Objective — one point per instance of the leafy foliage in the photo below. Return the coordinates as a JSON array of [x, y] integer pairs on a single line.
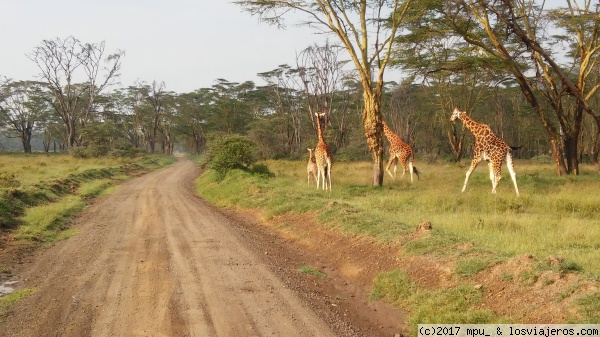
[[230, 152]]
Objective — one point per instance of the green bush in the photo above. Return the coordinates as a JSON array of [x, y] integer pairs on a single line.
[[90, 151], [230, 152], [127, 150]]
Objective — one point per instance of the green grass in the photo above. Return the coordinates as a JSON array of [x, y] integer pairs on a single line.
[[312, 271], [8, 300], [590, 308], [95, 188], [458, 305], [470, 267], [39, 193], [44, 223], [34, 168]]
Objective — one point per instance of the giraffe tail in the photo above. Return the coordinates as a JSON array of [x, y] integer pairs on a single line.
[[416, 172], [516, 147]]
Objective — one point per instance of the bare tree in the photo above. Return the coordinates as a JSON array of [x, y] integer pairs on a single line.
[[76, 73], [321, 74], [366, 29]]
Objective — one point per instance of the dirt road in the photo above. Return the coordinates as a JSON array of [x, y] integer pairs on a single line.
[[153, 259]]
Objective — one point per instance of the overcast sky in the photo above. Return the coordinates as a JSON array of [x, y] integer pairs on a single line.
[[188, 44]]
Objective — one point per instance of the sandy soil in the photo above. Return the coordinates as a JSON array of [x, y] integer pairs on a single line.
[[153, 259]]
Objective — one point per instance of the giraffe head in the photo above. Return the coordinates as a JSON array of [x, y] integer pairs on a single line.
[[455, 114]]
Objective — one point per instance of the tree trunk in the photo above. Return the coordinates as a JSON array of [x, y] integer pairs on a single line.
[[26, 138], [595, 150], [557, 154], [373, 132], [570, 145]]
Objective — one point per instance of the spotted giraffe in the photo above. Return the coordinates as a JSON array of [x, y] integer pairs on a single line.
[[322, 157], [487, 147], [399, 152], [311, 167]]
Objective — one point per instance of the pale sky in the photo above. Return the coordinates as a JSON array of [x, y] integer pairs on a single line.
[[188, 44]]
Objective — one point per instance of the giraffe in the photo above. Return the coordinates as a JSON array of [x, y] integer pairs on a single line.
[[487, 147], [322, 157], [399, 151], [311, 167]]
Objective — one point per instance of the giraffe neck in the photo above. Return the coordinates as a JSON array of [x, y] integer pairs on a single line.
[[387, 131], [319, 132], [469, 123]]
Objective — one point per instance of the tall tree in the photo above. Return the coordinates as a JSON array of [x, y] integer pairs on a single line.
[[22, 105], [286, 101], [366, 30], [64, 62], [514, 37]]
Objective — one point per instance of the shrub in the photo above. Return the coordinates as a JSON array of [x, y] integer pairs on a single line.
[[126, 150], [90, 151], [230, 152]]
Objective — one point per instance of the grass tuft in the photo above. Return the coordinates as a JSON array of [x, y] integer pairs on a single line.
[[8, 300], [312, 271]]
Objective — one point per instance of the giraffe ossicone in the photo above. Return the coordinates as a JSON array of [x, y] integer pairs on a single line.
[[487, 147]]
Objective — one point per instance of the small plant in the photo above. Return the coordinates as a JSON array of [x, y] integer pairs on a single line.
[[566, 267], [394, 285], [507, 277], [589, 308], [312, 271], [5, 269], [470, 267]]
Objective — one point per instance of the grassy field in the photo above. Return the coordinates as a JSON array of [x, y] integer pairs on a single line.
[[40, 192], [553, 217]]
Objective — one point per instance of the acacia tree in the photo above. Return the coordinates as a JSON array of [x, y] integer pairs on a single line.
[[22, 105], [62, 64], [287, 103], [513, 37], [365, 29]]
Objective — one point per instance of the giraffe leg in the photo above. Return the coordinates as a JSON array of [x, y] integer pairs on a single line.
[[387, 168], [474, 164], [404, 168], [411, 169], [511, 170], [497, 175], [329, 173], [492, 176], [318, 177]]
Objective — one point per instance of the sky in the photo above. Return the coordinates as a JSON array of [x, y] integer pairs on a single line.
[[187, 44]]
